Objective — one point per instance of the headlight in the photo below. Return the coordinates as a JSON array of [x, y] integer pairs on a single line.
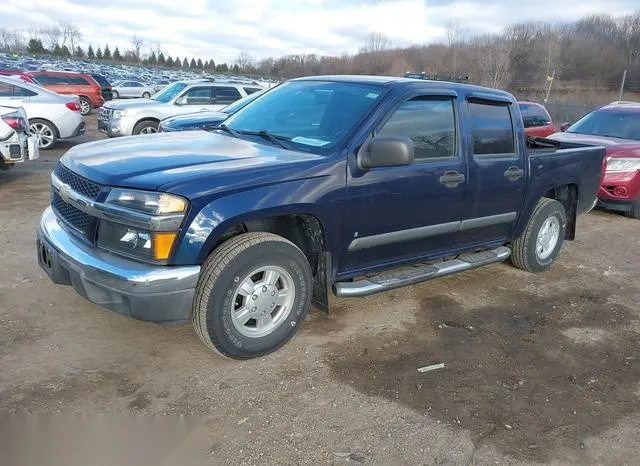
[[147, 202], [119, 113], [134, 242], [622, 164]]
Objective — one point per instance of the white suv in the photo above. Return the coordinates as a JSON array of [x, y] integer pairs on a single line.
[[142, 116]]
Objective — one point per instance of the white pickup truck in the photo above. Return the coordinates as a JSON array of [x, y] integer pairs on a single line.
[[142, 116]]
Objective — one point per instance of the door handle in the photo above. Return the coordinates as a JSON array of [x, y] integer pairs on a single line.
[[451, 179], [514, 173]]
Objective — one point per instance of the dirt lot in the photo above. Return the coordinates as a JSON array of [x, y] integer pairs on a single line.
[[539, 368]]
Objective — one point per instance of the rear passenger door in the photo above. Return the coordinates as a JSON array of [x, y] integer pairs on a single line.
[[497, 170]]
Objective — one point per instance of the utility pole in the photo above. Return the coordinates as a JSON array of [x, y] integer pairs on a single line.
[[550, 79], [624, 78]]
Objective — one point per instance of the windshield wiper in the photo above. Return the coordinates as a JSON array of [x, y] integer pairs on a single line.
[[274, 138], [225, 128]]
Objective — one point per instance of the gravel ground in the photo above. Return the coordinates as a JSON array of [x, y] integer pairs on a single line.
[[538, 368]]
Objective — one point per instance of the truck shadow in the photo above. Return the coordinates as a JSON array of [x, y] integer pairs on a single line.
[[527, 380]]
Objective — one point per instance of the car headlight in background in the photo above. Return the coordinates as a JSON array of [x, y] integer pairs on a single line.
[[623, 164], [147, 202], [153, 243], [117, 114]]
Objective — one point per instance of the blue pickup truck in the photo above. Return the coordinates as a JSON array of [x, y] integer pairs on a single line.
[[345, 185]]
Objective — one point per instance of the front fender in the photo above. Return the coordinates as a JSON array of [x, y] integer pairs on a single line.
[[313, 196]]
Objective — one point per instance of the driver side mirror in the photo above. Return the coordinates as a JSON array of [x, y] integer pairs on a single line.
[[387, 151], [565, 126]]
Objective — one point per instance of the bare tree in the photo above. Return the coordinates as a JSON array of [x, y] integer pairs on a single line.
[[244, 60], [51, 37], [137, 43], [495, 64], [71, 35], [375, 42]]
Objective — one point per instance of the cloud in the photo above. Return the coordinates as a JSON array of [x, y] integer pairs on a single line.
[[222, 29]]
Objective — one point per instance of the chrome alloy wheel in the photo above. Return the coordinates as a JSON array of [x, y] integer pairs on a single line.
[[262, 301], [548, 237]]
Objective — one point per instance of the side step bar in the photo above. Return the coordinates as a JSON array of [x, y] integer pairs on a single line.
[[415, 274]]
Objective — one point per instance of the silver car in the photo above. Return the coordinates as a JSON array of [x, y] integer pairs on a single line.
[[131, 89], [142, 116]]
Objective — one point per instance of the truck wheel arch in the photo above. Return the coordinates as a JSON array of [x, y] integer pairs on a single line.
[[567, 195]]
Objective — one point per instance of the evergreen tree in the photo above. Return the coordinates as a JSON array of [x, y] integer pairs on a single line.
[[90, 52], [212, 65], [79, 52], [57, 51], [161, 59], [99, 54], [35, 46], [193, 64], [177, 63], [185, 63], [116, 54], [169, 62], [236, 69], [200, 65], [152, 60], [64, 51], [107, 53]]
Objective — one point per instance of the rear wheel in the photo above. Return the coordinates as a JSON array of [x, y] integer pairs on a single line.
[[115, 95], [542, 239], [85, 106], [45, 133], [146, 127], [146, 95], [253, 294]]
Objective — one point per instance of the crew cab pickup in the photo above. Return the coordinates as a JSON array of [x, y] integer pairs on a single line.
[[324, 185]]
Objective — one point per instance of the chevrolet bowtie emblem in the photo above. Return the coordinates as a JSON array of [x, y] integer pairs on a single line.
[[65, 192]]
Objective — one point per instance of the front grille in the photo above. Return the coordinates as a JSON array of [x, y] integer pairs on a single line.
[[77, 183], [73, 216], [106, 114]]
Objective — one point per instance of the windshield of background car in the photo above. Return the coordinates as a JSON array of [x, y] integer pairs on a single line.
[[169, 92], [615, 124], [315, 115], [242, 103]]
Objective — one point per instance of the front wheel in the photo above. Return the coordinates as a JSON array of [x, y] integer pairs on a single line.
[[146, 127], [146, 95], [115, 95], [253, 293], [635, 210], [539, 245]]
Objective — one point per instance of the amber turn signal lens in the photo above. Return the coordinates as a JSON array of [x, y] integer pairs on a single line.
[[162, 245]]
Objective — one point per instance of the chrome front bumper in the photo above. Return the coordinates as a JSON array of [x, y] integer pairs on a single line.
[[143, 291]]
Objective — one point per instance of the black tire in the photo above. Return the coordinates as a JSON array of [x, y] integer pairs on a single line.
[[146, 95], [146, 127], [524, 253], [85, 106], [115, 95], [635, 210], [220, 279]]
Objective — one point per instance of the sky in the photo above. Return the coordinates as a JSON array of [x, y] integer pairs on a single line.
[[221, 29]]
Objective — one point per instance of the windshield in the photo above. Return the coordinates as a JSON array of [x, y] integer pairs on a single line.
[[242, 103], [621, 124], [316, 115], [169, 92]]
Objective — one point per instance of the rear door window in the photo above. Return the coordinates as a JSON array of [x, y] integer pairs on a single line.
[[534, 115], [226, 95], [10, 90], [198, 96], [51, 80], [491, 128]]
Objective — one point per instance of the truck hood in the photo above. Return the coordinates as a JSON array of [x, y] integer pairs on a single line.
[[122, 104], [616, 147], [152, 160]]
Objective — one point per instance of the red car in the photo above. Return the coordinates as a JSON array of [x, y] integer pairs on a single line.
[[64, 82], [616, 127], [537, 121]]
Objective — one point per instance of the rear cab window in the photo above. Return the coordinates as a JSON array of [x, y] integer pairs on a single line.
[[492, 128]]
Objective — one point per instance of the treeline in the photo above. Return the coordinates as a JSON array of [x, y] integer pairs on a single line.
[[592, 52]]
